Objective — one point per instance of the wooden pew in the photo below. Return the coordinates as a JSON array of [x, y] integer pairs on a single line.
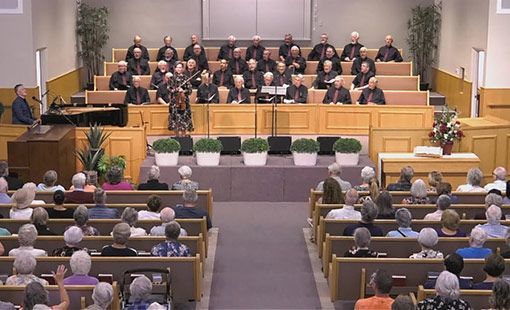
[[186, 272], [111, 96], [80, 296], [478, 299], [393, 97], [103, 82]]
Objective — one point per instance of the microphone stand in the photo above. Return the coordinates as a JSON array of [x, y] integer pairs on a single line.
[[208, 122], [256, 117]]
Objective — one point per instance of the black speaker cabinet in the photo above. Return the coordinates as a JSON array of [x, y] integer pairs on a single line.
[[279, 145], [186, 145], [231, 145], [326, 145]]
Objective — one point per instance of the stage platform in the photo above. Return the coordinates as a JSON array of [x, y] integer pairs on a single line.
[[279, 180]]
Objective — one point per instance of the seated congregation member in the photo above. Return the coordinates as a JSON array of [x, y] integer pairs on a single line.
[[171, 247], [114, 180], [49, 183], [384, 203], [333, 58], [363, 58], [102, 295], [72, 238], [319, 51], [238, 93], [337, 93], [80, 266], [373, 191], [447, 294], [100, 210], [404, 181], [81, 217], [40, 220], [493, 227], [154, 203], [295, 63], [418, 194], [140, 291], [4, 198], [500, 298], [256, 50], [21, 111], [227, 50], [137, 44], [297, 92], [138, 65], [137, 94], [334, 171], [122, 78], [347, 212], [445, 188], [159, 74], [78, 193], [367, 174], [237, 65], [361, 79], [351, 50], [207, 92], [403, 302], [121, 233], [266, 64], [32, 188], [223, 77], [434, 178], [443, 202], [130, 217], [332, 193], [490, 199], [427, 238], [252, 77], [388, 53], [188, 51], [266, 97], [477, 239], [191, 72], [27, 234], [450, 221], [494, 268], [37, 297], [185, 181], [167, 40], [190, 209], [90, 182], [453, 263], [166, 215], [403, 217], [361, 244], [285, 49], [282, 76], [499, 175], [200, 59], [372, 94], [153, 180], [474, 180], [13, 183], [381, 283], [25, 266], [22, 198], [324, 77], [368, 215]]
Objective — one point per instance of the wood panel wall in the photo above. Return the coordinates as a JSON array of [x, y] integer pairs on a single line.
[[456, 90], [495, 102], [65, 85], [7, 96]]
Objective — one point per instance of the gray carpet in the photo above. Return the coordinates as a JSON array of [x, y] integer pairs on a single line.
[[261, 258]]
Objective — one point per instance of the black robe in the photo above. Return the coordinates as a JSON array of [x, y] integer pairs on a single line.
[[205, 92], [362, 79], [376, 93], [301, 62], [161, 53], [131, 95], [228, 80], [234, 92], [266, 66], [258, 50], [347, 52], [316, 53], [117, 80], [392, 54], [335, 66], [130, 52], [237, 66], [344, 96], [302, 93], [144, 66], [248, 81], [356, 65], [322, 78]]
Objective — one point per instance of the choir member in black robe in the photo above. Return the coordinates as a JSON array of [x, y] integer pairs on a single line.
[[337, 94], [169, 59], [200, 59], [266, 64], [237, 65], [168, 44], [388, 53], [295, 63], [191, 71], [137, 94], [322, 81], [227, 50], [297, 92], [284, 50], [372, 94], [159, 73], [223, 76], [255, 50], [137, 44], [121, 79], [265, 97], [362, 78], [319, 50], [188, 51], [282, 75], [335, 61], [163, 93], [356, 64], [207, 91], [138, 65], [252, 77], [238, 94], [351, 50]]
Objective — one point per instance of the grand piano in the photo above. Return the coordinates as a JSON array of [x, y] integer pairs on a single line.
[[84, 116]]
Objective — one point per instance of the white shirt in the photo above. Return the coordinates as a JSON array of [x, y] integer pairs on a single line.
[[434, 216], [469, 188], [27, 249], [20, 214], [148, 215], [498, 184], [345, 213]]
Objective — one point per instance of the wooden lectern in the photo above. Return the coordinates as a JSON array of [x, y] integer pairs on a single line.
[[41, 149]]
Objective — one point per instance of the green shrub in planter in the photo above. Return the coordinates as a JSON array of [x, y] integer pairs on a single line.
[[167, 145], [308, 146], [208, 145], [347, 145], [254, 145]]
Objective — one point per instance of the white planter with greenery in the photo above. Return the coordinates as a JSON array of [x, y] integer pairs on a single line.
[[208, 152], [254, 151], [347, 151], [166, 152], [304, 152]]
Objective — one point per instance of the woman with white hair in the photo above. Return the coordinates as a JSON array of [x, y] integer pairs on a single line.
[[361, 244], [418, 194], [72, 238], [49, 182], [140, 290], [25, 266], [40, 220], [153, 183], [27, 234], [476, 242], [130, 217], [102, 295], [427, 240], [185, 181], [80, 266], [474, 181], [22, 199], [121, 233], [447, 294], [367, 173]]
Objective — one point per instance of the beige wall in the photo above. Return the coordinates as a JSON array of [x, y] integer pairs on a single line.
[[498, 50]]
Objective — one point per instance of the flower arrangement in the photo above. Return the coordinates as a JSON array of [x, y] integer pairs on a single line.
[[446, 128]]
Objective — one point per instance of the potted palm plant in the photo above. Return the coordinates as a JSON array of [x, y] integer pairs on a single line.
[[208, 151], [93, 151], [254, 151], [304, 152], [166, 151], [347, 151]]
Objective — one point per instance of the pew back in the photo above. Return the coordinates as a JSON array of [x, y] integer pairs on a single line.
[[477, 299]]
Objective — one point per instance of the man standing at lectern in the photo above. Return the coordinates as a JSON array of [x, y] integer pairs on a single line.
[[21, 113]]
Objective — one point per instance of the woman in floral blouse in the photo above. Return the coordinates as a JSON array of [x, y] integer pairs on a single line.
[[447, 295]]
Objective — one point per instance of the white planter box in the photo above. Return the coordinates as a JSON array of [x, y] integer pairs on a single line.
[[304, 159], [208, 159], [347, 159], [166, 159], [255, 159]]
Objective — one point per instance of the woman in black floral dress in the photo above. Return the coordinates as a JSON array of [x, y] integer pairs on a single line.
[[447, 295], [179, 119]]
